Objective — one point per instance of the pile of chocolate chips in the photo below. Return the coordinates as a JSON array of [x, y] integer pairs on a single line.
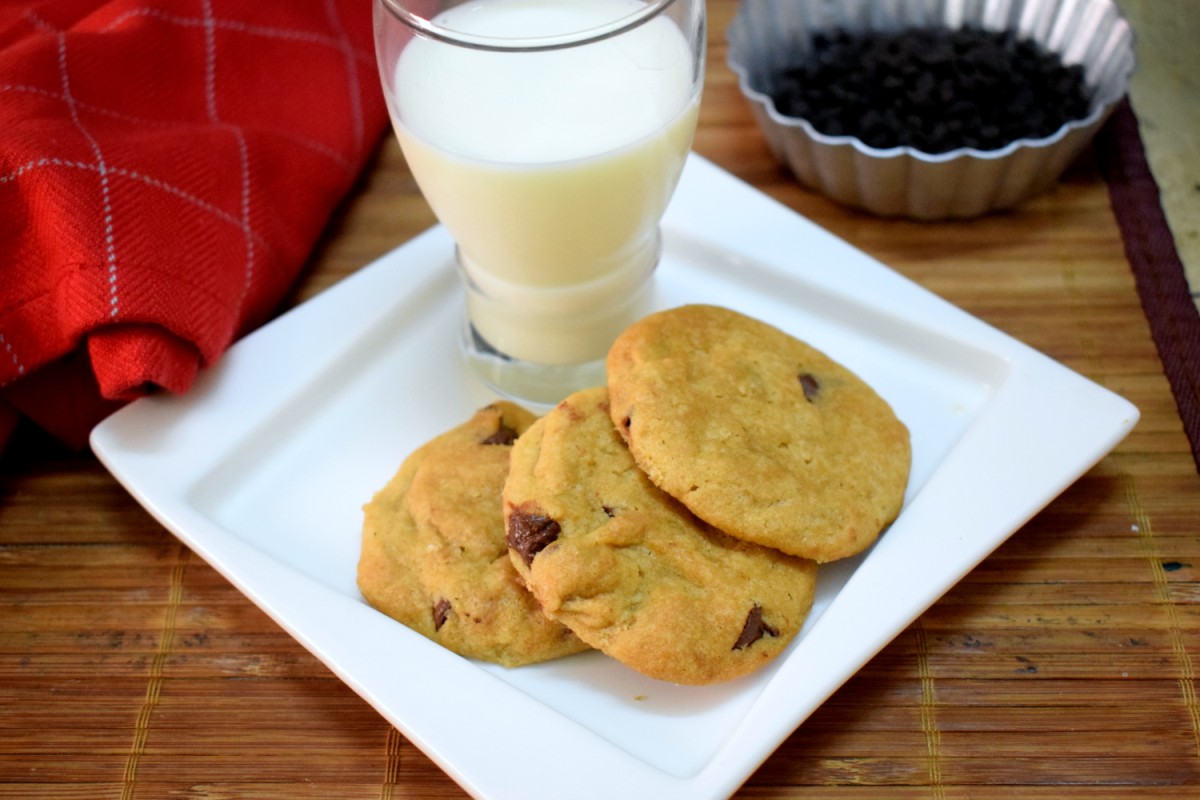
[[932, 89]]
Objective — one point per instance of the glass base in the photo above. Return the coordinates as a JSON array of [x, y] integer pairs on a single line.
[[525, 382]]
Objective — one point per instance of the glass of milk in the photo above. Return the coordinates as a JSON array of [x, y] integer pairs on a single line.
[[548, 137]]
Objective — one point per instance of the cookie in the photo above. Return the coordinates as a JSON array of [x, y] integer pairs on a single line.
[[434, 555], [757, 433], [631, 570]]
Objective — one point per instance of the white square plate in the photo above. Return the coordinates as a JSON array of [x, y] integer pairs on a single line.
[[262, 469]]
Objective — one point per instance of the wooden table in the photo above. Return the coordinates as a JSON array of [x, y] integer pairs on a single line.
[[1063, 667]]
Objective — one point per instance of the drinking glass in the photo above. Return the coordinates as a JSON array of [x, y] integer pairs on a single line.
[[547, 137]]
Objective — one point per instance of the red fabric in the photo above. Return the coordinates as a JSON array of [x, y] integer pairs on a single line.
[[165, 169]]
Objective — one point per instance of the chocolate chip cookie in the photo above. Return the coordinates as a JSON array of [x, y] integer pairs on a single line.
[[633, 572], [757, 433], [434, 554]]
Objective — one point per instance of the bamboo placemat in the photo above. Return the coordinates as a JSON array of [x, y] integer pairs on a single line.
[[1063, 667]]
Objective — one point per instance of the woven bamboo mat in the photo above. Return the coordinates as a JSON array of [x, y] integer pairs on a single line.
[[1063, 667]]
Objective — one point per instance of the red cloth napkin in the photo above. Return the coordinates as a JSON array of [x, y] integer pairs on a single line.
[[165, 169]]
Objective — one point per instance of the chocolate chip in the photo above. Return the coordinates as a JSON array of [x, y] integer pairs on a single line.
[[810, 385], [609, 510], [503, 435], [529, 534], [754, 629], [441, 611]]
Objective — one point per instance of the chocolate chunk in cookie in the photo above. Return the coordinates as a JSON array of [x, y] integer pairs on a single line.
[[754, 629], [529, 533]]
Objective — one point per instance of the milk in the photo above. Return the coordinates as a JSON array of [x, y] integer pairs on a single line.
[[550, 169]]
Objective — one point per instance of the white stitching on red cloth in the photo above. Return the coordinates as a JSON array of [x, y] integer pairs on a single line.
[[347, 49], [242, 27], [92, 108], [199, 202], [110, 247], [341, 42], [8, 348], [214, 116]]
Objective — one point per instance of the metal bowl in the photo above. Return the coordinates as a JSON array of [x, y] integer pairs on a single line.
[[768, 36]]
